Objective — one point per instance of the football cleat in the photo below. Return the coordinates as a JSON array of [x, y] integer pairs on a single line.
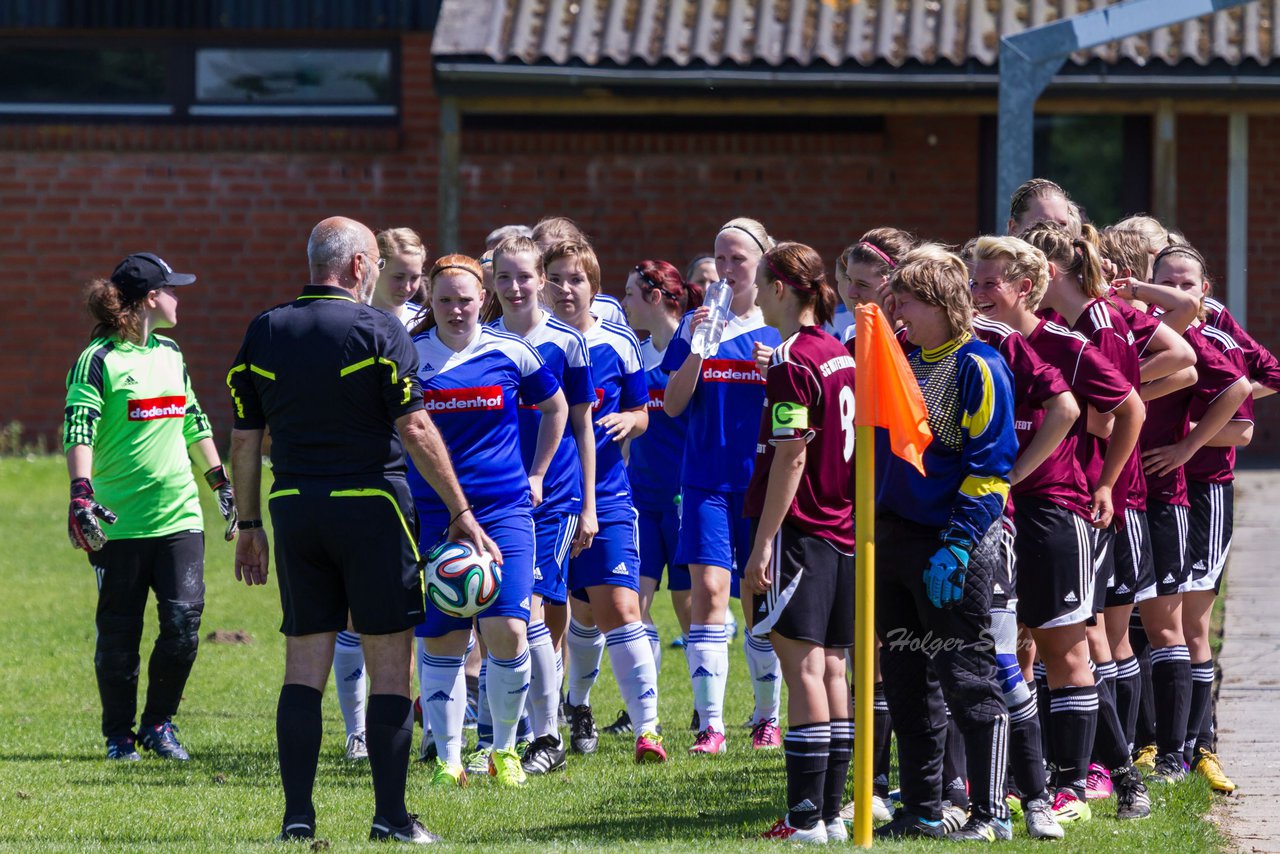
[[413, 832], [122, 748], [583, 737], [545, 755], [504, 766], [1068, 808], [297, 828], [1145, 760], [905, 824], [162, 740], [837, 830], [1132, 799], [709, 742], [1098, 785], [782, 831], [477, 762], [356, 748], [649, 748], [1038, 814], [953, 817], [622, 726], [980, 829], [448, 776], [880, 811], [1169, 769], [1207, 765], [765, 735]]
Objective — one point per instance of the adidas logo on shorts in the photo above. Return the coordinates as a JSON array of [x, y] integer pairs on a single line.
[[524, 603], [1168, 579], [1071, 598], [620, 569], [1198, 566], [537, 574], [1122, 589]]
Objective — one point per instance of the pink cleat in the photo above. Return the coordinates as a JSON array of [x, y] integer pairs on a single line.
[[765, 735], [709, 742], [649, 748], [1098, 785]]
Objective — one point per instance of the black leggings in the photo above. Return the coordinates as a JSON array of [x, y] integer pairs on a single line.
[[172, 566]]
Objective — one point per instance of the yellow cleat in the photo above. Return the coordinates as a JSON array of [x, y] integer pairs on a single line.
[[505, 768], [1146, 759], [1208, 765], [454, 776]]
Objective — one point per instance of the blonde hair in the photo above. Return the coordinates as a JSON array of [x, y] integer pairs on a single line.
[[552, 230], [938, 278], [1126, 248], [400, 241], [1154, 235], [759, 236], [1074, 256], [1021, 261]]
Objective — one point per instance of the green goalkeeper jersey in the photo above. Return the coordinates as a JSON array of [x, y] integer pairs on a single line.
[[133, 405]]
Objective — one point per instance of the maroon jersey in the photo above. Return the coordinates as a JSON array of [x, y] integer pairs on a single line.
[[1107, 329], [1217, 465], [809, 397], [1263, 367], [1096, 382], [1142, 326]]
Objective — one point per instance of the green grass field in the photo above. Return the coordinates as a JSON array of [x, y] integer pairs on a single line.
[[57, 792]]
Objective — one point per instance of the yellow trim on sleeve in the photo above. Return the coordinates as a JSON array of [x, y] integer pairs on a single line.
[[262, 372], [231, 373], [374, 360], [364, 493], [977, 422], [980, 487]]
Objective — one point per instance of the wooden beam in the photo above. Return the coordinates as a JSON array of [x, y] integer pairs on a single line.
[[1238, 216], [1165, 163], [448, 191]]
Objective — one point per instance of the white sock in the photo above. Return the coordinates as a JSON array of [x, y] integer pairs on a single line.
[[508, 686], [586, 646], [655, 645], [766, 678], [707, 650], [443, 683], [544, 682], [349, 680], [632, 661]]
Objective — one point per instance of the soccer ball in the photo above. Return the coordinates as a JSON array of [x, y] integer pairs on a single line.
[[461, 580]]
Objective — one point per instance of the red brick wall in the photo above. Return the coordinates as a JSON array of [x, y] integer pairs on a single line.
[[233, 205]]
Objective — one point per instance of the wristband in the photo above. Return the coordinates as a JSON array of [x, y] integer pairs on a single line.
[[81, 488], [461, 513], [248, 524], [216, 477]]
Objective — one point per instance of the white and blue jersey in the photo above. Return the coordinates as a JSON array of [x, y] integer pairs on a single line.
[[724, 412], [655, 479], [472, 395], [564, 352], [608, 309], [840, 324]]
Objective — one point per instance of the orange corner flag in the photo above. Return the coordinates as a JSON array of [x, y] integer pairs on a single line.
[[888, 395]]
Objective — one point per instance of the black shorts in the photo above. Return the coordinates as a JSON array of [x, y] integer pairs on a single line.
[[1209, 533], [341, 549], [1171, 569], [1134, 569], [812, 598], [1104, 566], [1004, 584], [1055, 552]]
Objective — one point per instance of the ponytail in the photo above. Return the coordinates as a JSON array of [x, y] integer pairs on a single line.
[[112, 314], [800, 268]]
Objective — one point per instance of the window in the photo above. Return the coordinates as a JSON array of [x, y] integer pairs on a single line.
[[1102, 161], [142, 80]]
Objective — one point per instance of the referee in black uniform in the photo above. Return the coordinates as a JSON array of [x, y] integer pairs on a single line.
[[336, 382]]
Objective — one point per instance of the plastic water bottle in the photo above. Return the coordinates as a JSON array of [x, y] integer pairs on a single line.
[[706, 338]]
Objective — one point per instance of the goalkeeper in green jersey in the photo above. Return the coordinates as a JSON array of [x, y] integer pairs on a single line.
[[131, 421]]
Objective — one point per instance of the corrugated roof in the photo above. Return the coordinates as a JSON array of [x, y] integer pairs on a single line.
[[816, 33], [220, 14]]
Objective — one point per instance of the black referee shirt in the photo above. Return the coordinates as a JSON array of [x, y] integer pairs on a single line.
[[329, 376]]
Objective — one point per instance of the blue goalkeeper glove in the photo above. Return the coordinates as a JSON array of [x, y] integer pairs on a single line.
[[944, 579]]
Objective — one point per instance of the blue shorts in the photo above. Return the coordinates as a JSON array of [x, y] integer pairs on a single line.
[[659, 531], [553, 535], [713, 531], [511, 527], [614, 557]]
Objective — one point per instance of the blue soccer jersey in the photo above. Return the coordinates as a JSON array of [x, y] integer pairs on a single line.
[[724, 413], [472, 396], [655, 478], [564, 352], [618, 373]]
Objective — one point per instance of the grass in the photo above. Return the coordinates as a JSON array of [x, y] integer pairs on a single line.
[[57, 793]]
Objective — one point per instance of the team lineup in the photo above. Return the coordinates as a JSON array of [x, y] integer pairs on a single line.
[[482, 468]]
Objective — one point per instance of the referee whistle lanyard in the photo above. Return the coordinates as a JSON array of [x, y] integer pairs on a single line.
[[887, 396]]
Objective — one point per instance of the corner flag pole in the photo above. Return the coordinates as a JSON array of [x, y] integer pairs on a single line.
[[864, 635]]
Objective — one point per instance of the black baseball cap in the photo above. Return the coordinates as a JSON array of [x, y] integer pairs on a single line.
[[143, 272]]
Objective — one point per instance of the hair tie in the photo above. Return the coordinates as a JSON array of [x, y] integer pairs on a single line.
[[754, 239], [784, 279], [440, 270], [644, 277], [883, 255]]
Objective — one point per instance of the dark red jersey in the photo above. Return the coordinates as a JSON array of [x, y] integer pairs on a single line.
[[809, 397], [1263, 366], [1096, 382], [1217, 465]]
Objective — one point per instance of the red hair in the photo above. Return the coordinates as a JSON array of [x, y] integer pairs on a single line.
[[663, 277]]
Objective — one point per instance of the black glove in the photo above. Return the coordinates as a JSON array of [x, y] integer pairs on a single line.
[[218, 481], [82, 517]]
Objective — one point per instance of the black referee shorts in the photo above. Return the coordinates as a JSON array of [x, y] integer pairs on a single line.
[[345, 548]]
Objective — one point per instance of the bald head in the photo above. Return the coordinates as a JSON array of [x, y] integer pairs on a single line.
[[334, 242]]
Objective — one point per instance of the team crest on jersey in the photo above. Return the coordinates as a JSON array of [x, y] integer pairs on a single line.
[[151, 408], [731, 371], [462, 399]]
